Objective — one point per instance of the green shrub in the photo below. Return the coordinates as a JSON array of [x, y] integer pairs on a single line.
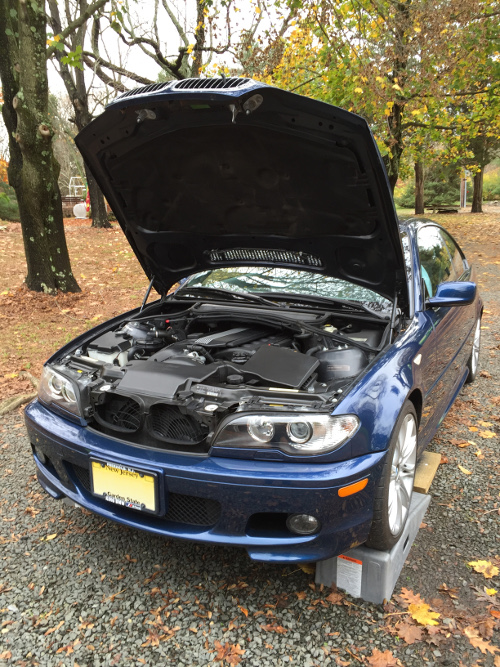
[[441, 186], [9, 209], [491, 185]]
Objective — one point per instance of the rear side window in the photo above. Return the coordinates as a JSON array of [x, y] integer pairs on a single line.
[[435, 260]]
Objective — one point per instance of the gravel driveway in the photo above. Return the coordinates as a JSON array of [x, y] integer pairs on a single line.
[[79, 590]]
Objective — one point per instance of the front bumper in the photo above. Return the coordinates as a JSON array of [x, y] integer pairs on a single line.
[[211, 499]]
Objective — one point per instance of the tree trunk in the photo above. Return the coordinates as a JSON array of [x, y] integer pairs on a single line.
[[35, 170], [97, 203], [477, 194], [419, 188], [394, 144]]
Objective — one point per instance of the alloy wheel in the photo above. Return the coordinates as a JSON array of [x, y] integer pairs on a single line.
[[402, 474]]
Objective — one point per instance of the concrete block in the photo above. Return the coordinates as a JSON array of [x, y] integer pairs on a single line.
[[370, 574]]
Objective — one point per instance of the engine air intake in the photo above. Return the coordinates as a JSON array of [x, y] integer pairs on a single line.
[[120, 413], [167, 423]]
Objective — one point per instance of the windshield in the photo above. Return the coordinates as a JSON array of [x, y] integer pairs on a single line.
[[263, 280]]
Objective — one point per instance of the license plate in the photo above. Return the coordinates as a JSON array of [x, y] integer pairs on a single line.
[[124, 486]]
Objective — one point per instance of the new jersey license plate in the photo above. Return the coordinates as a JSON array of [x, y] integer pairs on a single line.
[[124, 486]]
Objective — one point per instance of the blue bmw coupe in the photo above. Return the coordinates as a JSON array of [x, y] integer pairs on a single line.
[[279, 398]]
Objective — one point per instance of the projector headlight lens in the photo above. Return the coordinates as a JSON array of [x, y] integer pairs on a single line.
[[291, 433], [54, 389]]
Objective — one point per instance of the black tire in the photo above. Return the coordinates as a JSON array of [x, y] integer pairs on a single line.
[[385, 531], [473, 361]]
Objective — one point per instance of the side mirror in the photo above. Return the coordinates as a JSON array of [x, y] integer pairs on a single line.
[[453, 294]]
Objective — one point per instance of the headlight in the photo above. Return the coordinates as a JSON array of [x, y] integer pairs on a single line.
[[293, 434], [54, 388]]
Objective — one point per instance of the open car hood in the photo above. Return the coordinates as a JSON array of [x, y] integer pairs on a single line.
[[206, 173]]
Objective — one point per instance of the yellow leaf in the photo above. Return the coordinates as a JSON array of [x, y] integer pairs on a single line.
[[491, 591], [257, 10], [487, 434], [308, 568], [423, 614], [473, 428], [48, 537], [484, 567], [358, 90], [12, 375], [464, 470]]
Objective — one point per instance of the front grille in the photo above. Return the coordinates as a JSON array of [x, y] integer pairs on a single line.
[[120, 413], [167, 423], [82, 475], [264, 255], [214, 83], [192, 510]]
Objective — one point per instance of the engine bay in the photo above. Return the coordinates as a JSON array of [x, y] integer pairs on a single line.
[[166, 380]]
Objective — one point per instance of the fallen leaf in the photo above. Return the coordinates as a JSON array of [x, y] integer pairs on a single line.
[[484, 567], [409, 633], [444, 459], [301, 595], [495, 613], [473, 429], [464, 470], [335, 597], [54, 629], [485, 424], [478, 642], [5, 655], [243, 610], [485, 374], [490, 591], [230, 653], [308, 568], [423, 614], [379, 659], [485, 628], [409, 597], [270, 627], [452, 592], [487, 434], [47, 538]]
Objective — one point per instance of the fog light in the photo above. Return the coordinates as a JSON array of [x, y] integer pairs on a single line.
[[303, 524]]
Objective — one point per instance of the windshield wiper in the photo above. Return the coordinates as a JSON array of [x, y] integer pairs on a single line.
[[226, 294], [345, 304]]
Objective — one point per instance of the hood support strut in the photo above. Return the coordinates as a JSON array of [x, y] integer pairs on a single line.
[[148, 292]]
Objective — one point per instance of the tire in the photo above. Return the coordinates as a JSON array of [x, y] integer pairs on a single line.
[[394, 491], [473, 361]]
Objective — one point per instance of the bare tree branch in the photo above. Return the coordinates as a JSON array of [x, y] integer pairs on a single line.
[[74, 25]]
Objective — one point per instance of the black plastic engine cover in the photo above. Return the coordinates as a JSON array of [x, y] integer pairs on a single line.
[[280, 366]]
